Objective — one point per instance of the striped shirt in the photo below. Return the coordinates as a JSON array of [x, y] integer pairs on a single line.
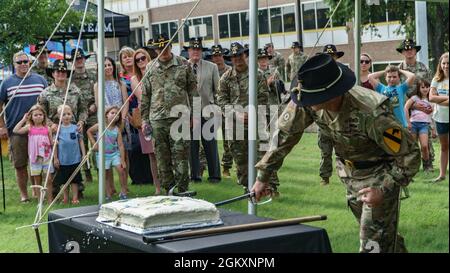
[[24, 97]]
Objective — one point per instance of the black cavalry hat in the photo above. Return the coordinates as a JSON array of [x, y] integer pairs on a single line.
[[262, 53], [161, 41], [195, 42], [59, 65], [332, 50], [80, 54], [38, 47], [407, 45], [236, 49], [296, 44], [219, 50], [322, 79]]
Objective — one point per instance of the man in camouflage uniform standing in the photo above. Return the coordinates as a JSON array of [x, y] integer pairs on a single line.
[[295, 60], [42, 62], [169, 82], [217, 53], [409, 49], [376, 156], [85, 79], [277, 60], [233, 91]]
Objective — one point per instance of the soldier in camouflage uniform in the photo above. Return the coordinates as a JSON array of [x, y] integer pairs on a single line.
[[53, 96], [169, 83], [42, 62], [85, 79], [233, 91], [217, 53], [277, 60], [409, 49], [295, 60], [376, 156]]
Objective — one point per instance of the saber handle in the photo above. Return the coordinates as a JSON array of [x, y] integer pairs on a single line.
[[236, 228]]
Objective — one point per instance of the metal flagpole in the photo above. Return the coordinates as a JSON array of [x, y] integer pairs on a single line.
[[252, 102], [357, 34], [422, 31], [101, 98]]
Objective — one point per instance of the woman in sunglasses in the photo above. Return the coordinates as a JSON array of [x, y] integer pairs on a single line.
[[141, 60], [366, 63]]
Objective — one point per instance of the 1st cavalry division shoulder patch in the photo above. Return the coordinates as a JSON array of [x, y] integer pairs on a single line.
[[393, 139]]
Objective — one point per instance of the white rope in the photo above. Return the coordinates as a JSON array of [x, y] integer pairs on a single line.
[[33, 64], [86, 157], [55, 142]]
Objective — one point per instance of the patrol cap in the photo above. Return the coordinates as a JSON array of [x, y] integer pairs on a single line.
[[38, 47], [79, 54], [322, 79], [407, 45], [161, 41], [331, 49], [236, 49], [262, 53], [58, 65], [296, 44], [195, 42]]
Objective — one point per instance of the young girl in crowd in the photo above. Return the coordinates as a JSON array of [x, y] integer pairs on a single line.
[[114, 150], [419, 121], [68, 155], [40, 141], [439, 95]]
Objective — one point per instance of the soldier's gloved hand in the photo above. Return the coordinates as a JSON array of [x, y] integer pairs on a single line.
[[373, 197], [261, 189]]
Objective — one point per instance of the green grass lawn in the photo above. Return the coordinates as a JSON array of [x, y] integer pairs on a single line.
[[424, 216]]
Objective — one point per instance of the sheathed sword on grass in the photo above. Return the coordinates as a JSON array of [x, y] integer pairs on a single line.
[[3, 178]]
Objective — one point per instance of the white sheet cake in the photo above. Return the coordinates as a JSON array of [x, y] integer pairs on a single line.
[[159, 211]]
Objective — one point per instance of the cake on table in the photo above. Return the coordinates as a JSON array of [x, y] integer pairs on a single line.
[[155, 212]]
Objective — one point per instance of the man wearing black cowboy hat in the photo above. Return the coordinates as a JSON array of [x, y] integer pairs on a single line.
[[376, 156], [277, 60], [150, 49], [85, 79], [217, 57], [331, 50], [295, 60], [169, 82], [42, 61], [207, 75], [233, 92]]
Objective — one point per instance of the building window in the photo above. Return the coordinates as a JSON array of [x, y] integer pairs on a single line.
[[289, 18], [223, 26], [309, 16], [199, 21], [276, 22], [235, 27], [322, 17], [245, 23], [263, 21], [168, 28]]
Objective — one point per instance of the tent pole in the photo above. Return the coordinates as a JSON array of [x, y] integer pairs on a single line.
[[101, 99], [252, 102]]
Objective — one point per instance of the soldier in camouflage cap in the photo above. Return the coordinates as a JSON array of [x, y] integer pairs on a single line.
[[85, 79], [42, 62], [277, 60], [409, 49], [295, 60], [233, 91], [169, 83], [376, 156]]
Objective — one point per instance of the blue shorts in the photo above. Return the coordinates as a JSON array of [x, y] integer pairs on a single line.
[[111, 160], [419, 128], [442, 128]]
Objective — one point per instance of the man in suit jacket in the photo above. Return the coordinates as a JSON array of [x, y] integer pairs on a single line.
[[207, 83]]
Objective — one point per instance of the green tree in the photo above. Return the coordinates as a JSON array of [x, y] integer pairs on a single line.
[[404, 11], [25, 22]]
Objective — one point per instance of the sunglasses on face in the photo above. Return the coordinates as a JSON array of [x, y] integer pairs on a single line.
[[22, 62], [365, 61], [141, 59]]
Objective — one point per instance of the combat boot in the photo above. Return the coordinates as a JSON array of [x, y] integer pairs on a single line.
[[226, 173], [325, 181]]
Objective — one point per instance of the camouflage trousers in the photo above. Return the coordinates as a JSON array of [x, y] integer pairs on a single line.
[[377, 225], [227, 157], [172, 156], [326, 151]]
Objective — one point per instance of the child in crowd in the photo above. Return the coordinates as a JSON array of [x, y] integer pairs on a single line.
[[40, 141], [68, 155], [114, 150], [419, 121]]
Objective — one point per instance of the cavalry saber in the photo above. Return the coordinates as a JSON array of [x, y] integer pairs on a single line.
[[241, 197], [3, 179], [229, 229]]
